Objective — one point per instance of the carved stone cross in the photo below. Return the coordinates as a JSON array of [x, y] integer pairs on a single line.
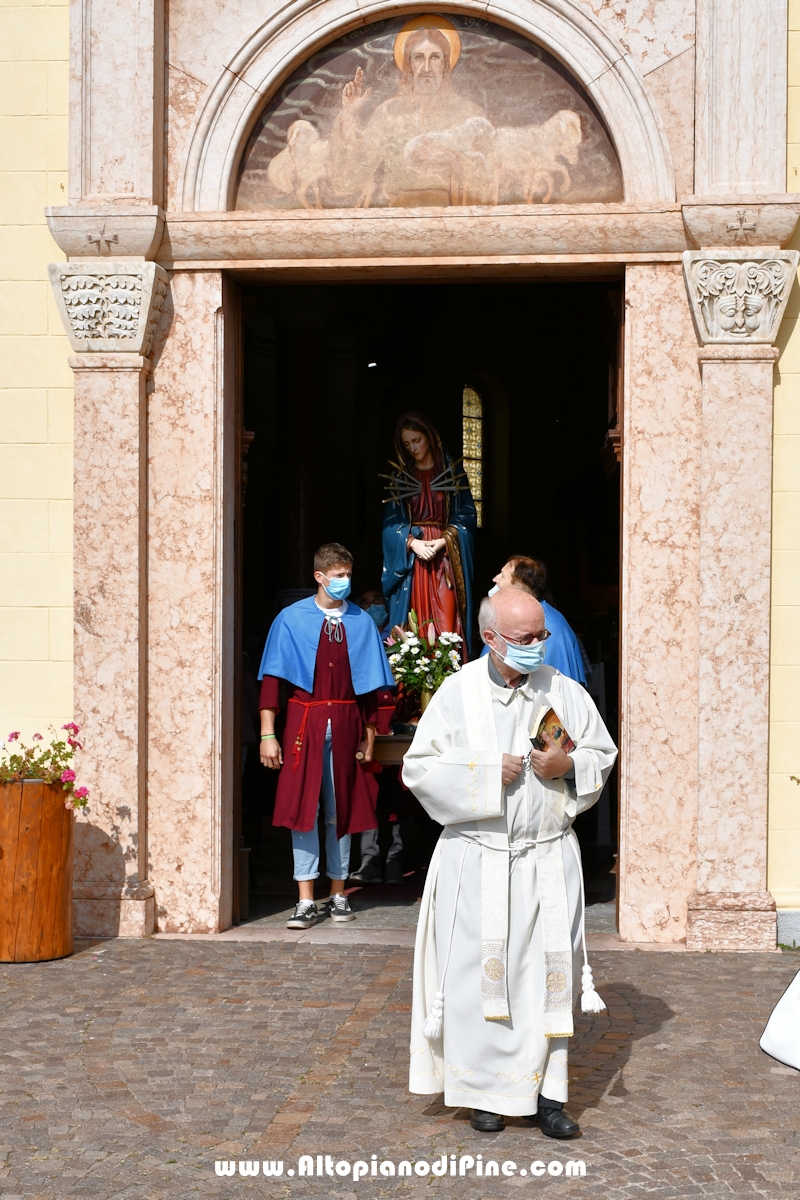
[[97, 239], [740, 228]]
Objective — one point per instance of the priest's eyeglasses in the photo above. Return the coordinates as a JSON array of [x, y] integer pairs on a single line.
[[527, 640]]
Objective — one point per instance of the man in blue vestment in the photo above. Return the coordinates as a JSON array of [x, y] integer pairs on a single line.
[[563, 648]]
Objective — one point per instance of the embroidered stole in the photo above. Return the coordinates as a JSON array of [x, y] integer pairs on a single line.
[[496, 854]]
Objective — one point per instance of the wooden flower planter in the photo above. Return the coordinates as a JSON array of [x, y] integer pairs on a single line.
[[36, 835]]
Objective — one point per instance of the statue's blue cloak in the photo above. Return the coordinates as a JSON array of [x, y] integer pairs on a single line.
[[398, 561]]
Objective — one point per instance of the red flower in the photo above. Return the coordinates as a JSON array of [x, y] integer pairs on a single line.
[[72, 728], [67, 776], [37, 737], [80, 793], [12, 737], [75, 745]]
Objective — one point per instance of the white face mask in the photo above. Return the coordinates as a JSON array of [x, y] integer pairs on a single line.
[[493, 590], [523, 658], [338, 588]]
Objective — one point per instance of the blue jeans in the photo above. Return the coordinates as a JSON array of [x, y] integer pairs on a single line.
[[305, 845]]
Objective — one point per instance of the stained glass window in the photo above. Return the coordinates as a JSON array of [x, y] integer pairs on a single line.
[[472, 439]]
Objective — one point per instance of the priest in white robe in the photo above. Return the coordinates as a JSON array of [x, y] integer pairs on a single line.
[[497, 957]]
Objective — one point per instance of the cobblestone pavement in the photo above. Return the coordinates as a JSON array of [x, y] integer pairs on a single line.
[[128, 1069]]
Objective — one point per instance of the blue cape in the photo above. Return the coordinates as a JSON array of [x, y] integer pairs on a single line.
[[291, 649], [562, 650]]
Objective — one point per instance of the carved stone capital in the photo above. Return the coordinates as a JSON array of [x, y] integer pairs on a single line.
[[741, 221], [109, 308], [100, 232], [738, 297]]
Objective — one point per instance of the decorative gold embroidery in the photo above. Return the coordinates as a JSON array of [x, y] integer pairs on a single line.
[[512, 1077], [457, 1072], [472, 787], [453, 546], [493, 972], [556, 981]]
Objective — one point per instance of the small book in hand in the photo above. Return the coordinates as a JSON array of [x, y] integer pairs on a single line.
[[548, 721]]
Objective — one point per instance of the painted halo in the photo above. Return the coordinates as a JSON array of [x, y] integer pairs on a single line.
[[430, 21]]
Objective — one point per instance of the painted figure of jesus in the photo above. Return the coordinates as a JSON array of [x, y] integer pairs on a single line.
[[378, 155]]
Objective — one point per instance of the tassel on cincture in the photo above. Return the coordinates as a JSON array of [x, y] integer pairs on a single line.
[[432, 1029], [590, 1000]]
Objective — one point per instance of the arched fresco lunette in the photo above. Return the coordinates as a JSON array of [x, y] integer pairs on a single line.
[[563, 29], [428, 111]]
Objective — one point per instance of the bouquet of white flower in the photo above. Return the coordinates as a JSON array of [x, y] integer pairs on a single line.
[[420, 659]]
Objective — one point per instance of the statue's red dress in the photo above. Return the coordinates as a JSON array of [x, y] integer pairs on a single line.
[[433, 588]]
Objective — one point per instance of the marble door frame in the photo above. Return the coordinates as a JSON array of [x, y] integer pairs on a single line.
[[146, 304]]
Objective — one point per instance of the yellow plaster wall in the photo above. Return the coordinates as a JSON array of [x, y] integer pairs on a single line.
[[35, 380], [784, 757]]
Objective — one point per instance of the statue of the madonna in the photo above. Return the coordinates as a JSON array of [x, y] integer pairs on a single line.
[[428, 532]]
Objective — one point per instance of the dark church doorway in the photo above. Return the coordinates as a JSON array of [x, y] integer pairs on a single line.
[[327, 369]]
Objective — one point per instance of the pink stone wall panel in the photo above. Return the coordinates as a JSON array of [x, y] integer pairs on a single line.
[[734, 621], [108, 475], [183, 762], [660, 564], [651, 32]]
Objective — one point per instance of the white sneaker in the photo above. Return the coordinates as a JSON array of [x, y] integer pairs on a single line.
[[339, 909]]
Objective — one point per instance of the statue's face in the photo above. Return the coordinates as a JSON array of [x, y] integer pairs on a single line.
[[416, 444], [427, 67]]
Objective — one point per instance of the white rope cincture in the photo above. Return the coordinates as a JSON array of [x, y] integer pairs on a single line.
[[591, 1001], [432, 1029]]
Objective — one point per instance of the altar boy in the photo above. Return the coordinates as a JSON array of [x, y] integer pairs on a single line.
[[331, 656]]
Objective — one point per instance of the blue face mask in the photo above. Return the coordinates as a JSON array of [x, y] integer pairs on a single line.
[[337, 588], [524, 658], [378, 614]]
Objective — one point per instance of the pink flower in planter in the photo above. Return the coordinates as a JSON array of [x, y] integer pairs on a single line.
[[69, 802], [75, 745], [72, 728], [81, 793], [12, 737], [68, 776], [37, 737]]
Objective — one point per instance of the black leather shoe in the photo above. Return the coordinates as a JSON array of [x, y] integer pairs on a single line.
[[486, 1122], [367, 875], [394, 872], [556, 1123]]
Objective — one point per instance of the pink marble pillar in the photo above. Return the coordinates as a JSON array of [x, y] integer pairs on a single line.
[[660, 607], [111, 895], [192, 764], [731, 907]]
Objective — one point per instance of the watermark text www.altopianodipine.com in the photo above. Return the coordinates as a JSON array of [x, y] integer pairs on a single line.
[[467, 1165]]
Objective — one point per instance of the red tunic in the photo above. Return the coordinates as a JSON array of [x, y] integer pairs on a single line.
[[386, 708], [299, 789]]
